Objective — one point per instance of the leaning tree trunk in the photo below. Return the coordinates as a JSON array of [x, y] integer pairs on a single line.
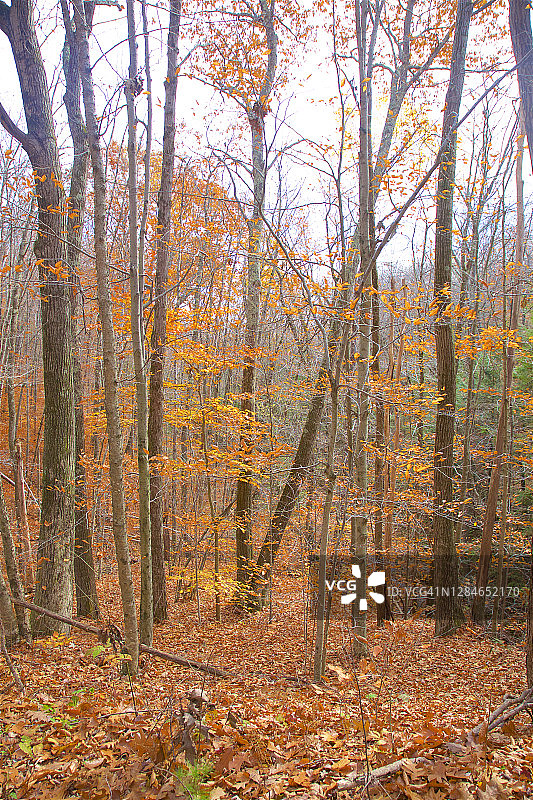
[[448, 611], [114, 427], [53, 587], [159, 328], [84, 574]]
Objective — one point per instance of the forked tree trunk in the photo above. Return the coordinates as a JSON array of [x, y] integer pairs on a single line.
[[159, 328], [53, 587], [448, 611], [114, 427]]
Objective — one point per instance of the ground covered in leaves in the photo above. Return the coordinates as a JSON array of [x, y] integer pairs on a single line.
[[83, 731]]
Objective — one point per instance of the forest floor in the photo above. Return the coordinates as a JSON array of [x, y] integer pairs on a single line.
[[81, 730]]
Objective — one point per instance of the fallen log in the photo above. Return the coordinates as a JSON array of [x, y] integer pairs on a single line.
[[183, 662]]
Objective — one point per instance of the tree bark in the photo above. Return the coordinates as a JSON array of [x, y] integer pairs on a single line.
[[159, 328], [529, 645], [7, 617], [485, 552], [522, 39], [448, 612], [331, 478], [137, 328], [13, 576], [256, 119], [114, 427], [15, 447], [84, 574], [53, 589]]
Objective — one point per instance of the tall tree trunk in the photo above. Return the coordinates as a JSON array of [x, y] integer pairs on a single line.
[[114, 427], [360, 531], [159, 328], [485, 552], [448, 612], [256, 118], [84, 574], [131, 91], [53, 588]]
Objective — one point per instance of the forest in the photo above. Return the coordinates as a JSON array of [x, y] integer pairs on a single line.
[[266, 399]]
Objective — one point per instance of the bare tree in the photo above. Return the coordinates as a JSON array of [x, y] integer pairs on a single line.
[[112, 409], [159, 327]]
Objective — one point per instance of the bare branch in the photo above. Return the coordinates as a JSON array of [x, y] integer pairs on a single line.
[[14, 131]]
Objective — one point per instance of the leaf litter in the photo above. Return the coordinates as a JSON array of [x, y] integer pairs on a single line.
[[81, 731]]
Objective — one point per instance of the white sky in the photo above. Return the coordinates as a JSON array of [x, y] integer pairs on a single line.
[[205, 119]]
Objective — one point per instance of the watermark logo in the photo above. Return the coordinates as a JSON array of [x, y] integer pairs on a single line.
[[348, 589]]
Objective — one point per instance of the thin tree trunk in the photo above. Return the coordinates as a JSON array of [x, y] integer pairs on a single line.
[[506, 478], [448, 612], [114, 428], [485, 552], [360, 532], [27, 556], [7, 617], [131, 90], [13, 576], [256, 119], [15, 447], [331, 478], [529, 645], [159, 328], [84, 574]]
